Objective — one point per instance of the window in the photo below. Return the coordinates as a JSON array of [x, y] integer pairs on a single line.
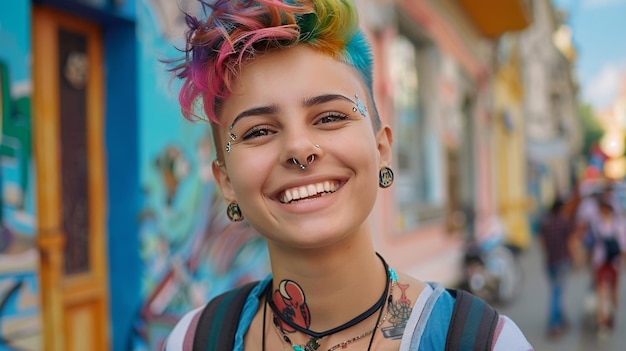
[[418, 149]]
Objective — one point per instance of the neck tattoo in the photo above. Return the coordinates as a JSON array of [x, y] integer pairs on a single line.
[[293, 314]]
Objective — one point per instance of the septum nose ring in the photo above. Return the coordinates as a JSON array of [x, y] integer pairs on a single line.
[[309, 160]]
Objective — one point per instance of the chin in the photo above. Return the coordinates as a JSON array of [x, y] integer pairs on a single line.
[[313, 238]]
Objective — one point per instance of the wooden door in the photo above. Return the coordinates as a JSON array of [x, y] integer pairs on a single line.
[[68, 137]]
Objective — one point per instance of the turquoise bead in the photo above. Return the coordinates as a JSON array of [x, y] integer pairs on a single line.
[[393, 275]]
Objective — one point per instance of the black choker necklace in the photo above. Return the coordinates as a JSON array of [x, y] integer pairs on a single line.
[[356, 320], [313, 343]]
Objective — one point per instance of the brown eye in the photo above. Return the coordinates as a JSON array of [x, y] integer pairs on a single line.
[[257, 132]]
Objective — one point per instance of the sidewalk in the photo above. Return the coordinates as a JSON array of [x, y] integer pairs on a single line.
[[529, 311]]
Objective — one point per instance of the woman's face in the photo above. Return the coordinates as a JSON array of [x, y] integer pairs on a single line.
[[298, 103]]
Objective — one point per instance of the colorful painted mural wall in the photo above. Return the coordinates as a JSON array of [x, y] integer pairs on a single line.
[[190, 250], [20, 325]]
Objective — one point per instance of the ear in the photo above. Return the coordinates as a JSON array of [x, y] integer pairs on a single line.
[[384, 139], [223, 181]]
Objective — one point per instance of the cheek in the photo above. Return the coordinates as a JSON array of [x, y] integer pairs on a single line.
[[248, 171], [360, 149]]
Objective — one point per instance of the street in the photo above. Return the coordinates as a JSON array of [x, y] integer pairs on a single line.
[[529, 311]]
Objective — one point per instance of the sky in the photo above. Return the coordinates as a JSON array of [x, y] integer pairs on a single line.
[[599, 36]]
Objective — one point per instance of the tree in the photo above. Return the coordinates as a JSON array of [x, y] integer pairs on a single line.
[[592, 130]]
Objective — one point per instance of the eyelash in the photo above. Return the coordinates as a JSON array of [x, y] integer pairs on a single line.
[[262, 131], [257, 132], [335, 116]]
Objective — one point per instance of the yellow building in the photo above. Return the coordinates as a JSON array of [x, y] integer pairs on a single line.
[[509, 135]]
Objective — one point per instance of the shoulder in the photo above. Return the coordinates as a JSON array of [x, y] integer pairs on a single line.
[[411, 286], [181, 337], [221, 314], [430, 322], [509, 337], [505, 334]]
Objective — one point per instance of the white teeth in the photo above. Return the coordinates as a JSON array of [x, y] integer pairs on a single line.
[[295, 194], [308, 190]]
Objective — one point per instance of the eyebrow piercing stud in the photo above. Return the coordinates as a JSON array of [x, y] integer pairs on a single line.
[[232, 137], [360, 106]]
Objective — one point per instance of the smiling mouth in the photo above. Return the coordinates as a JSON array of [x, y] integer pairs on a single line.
[[307, 192]]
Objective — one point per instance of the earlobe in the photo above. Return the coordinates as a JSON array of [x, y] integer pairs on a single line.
[[223, 180], [384, 139]]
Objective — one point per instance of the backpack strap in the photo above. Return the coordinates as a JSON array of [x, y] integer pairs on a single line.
[[219, 320], [472, 325]]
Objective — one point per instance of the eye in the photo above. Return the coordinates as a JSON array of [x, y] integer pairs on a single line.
[[330, 117], [257, 132]]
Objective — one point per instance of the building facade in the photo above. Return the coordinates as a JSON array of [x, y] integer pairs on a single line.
[[509, 130], [435, 80], [553, 135]]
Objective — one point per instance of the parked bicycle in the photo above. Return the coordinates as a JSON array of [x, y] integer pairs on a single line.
[[491, 269]]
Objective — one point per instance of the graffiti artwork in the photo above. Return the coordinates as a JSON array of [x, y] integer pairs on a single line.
[[191, 252], [19, 307]]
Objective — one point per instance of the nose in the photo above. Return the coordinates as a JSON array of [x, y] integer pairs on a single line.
[[300, 151]]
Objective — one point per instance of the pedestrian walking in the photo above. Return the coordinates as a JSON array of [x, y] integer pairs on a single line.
[[608, 245], [555, 232]]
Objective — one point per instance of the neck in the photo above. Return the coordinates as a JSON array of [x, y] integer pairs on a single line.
[[338, 284]]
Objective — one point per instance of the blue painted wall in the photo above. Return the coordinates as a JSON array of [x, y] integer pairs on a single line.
[[124, 193]]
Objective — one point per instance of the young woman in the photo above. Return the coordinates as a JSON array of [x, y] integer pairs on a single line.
[[301, 154], [609, 245]]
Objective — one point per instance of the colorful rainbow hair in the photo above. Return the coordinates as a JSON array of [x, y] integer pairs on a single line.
[[236, 30]]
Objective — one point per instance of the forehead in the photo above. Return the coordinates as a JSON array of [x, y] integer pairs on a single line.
[[289, 76]]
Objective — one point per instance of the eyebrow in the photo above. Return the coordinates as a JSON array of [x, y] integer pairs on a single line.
[[320, 99], [255, 111], [308, 102]]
